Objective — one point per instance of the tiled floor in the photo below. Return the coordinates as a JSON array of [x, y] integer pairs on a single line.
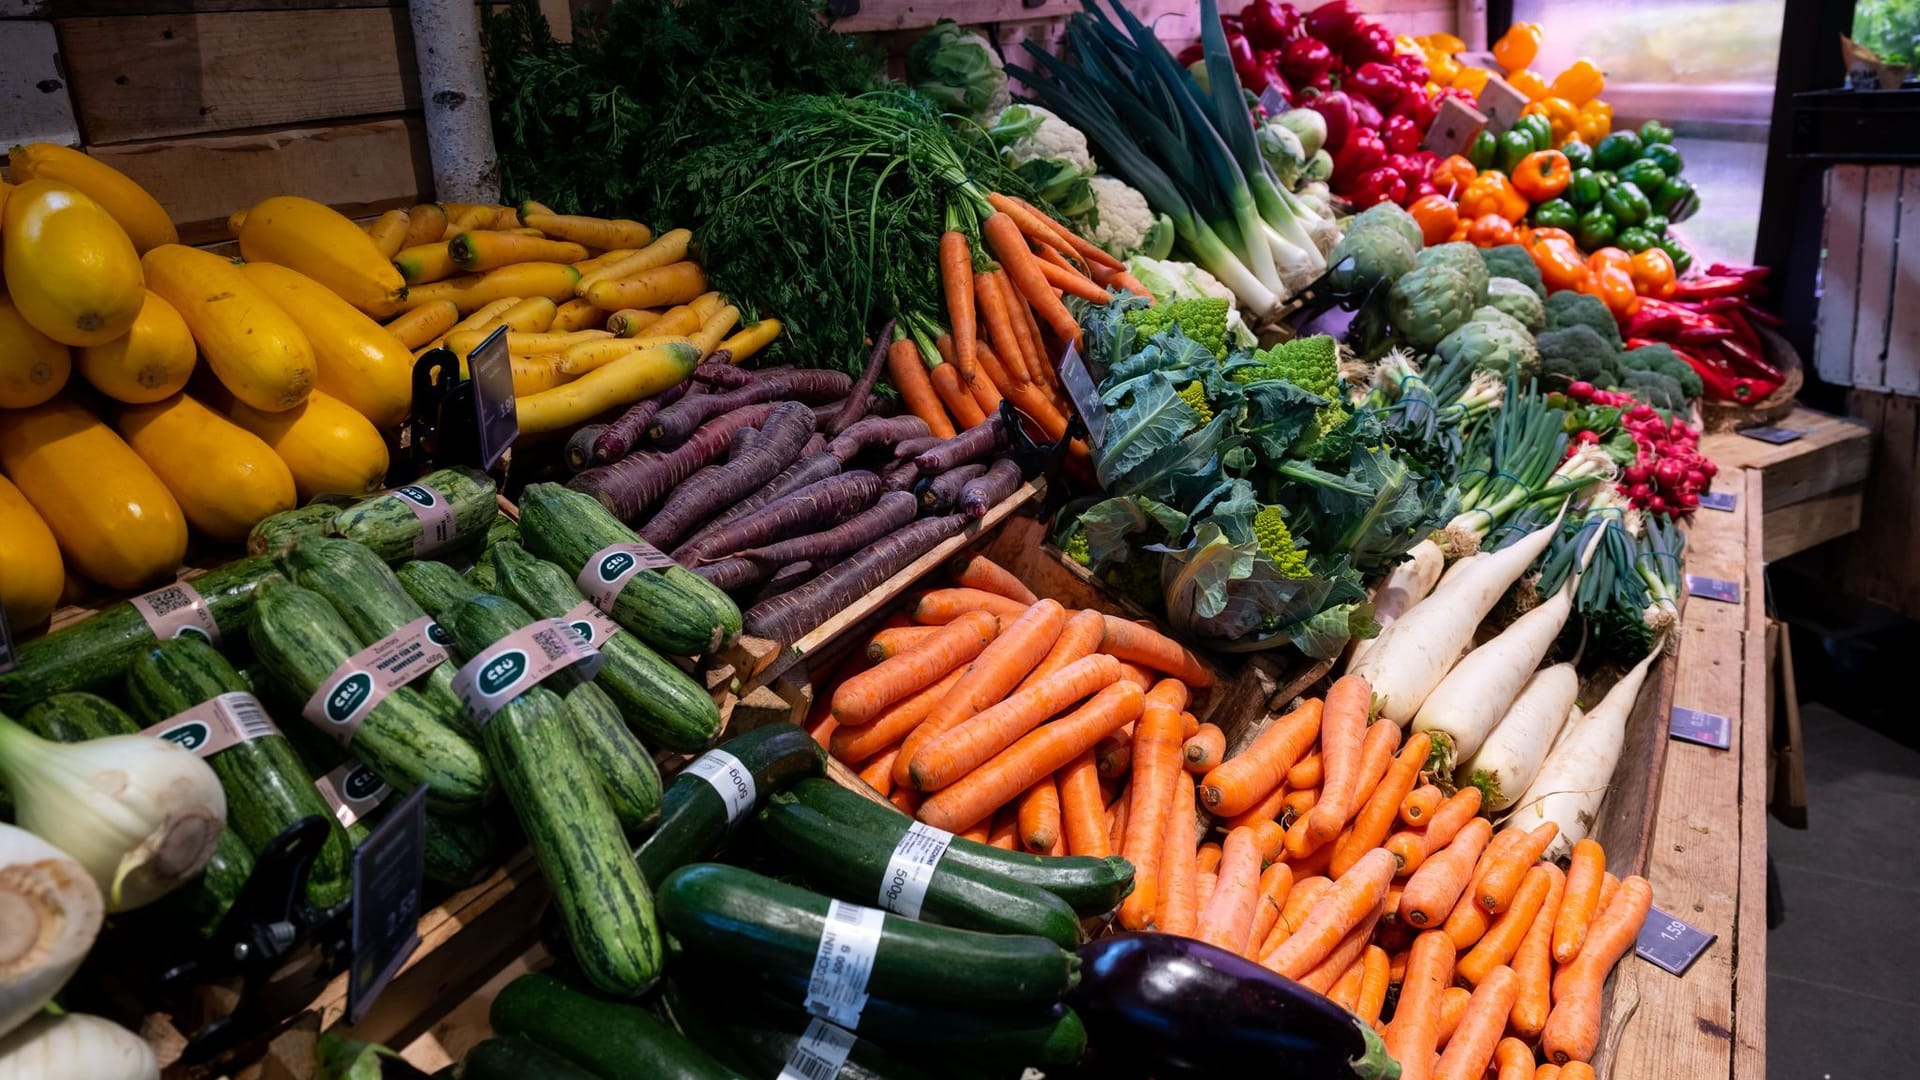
[[1840, 986]]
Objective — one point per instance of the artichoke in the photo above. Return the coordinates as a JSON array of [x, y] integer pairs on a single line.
[[1366, 257], [1389, 215], [1493, 346], [1428, 303], [1465, 258], [1492, 314], [1518, 300]]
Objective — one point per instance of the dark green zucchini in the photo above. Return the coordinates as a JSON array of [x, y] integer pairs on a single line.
[[693, 816], [387, 525], [610, 1039], [94, 653], [1004, 1037], [671, 609], [662, 702], [372, 604], [759, 1042], [853, 863], [275, 533], [517, 1059], [724, 915], [302, 641], [435, 586], [1090, 886], [576, 839]]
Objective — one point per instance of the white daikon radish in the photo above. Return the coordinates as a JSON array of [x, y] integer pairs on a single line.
[[1508, 761], [1568, 789], [1573, 720], [1408, 584], [75, 1046], [50, 912], [1411, 657]]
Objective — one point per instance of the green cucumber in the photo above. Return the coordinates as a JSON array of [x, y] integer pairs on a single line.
[[693, 816], [1090, 886], [387, 525], [624, 769], [372, 604], [724, 915], [662, 702], [671, 609], [275, 533], [302, 641], [94, 653], [610, 1039], [517, 1059], [204, 901], [853, 863], [1004, 1037], [760, 1042], [435, 586], [603, 901]]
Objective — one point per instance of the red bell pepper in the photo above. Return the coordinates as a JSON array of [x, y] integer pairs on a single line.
[[1414, 68], [1240, 50], [1334, 22], [1366, 114], [1402, 135], [1337, 108], [1305, 59], [1267, 63], [1270, 24], [1362, 153], [1382, 84], [1376, 186], [1374, 42]]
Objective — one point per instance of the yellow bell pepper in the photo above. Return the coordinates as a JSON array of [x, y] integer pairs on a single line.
[[1517, 48], [1562, 114], [1445, 43], [1443, 68], [1580, 83], [1529, 83], [1593, 123], [1406, 45], [1472, 79]]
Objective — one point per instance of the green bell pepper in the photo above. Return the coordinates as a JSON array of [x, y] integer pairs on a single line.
[[1483, 151], [1676, 198], [1655, 224], [1579, 154], [1515, 145], [1596, 229], [1539, 130], [1682, 258], [1608, 179], [1664, 156], [1644, 174], [1653, 131], [1556, 214], [1616, 150], [1585, 188], [1636, 238], [1627, 203]]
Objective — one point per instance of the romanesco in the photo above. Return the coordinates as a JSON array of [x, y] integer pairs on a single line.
[[1195, 395], [1203, 320], [1075, 548], [1313, 365], [1276, 543]]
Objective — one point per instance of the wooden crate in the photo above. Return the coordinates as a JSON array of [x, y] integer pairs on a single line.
[[1867, 328]]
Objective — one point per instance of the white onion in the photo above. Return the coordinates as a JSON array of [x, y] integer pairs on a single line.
[[50, 912], [75, 1046]]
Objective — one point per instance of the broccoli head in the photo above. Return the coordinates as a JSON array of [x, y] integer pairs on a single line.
[[1573, 354], [1659, 357], [1656, 388], [1512, 261], [1312, 364], [1203, 319], [1568, 308], [1277, 543]]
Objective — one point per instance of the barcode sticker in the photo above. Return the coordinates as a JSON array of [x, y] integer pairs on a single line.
[[910, 868], [592, 623], [343, 699], [837, 990], [177, 610], [352, 791], [820, 1053], [215, 724], [608, 569], [518, 662], [730, 778]]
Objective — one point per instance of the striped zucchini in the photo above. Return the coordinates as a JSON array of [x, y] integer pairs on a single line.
[[693, 816], [482, 577], [603, 901], [275, 533], [387, 525], [93, 654], [671, 609], [661, 701], [504, 530], [268, 789], [302, 641], [435, 586]]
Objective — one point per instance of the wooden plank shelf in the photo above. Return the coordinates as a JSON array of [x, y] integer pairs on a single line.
[[1813, 485]]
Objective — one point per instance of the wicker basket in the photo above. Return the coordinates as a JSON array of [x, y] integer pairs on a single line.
[[1727, 416]]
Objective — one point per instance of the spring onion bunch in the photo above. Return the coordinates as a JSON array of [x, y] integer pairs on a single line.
[[1519, 460], [1629, 594]]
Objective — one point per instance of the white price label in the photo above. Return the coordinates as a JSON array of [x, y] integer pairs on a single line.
[[910, 868], [820, 1053], [730, 778], [837, 990]]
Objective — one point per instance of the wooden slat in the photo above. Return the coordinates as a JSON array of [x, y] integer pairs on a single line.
[[1880, 216], [1834, 452], [359, 169], [1793, 529], [1749, 942], [1903, 341], [1840, 275], [34, 101], [1881, 562], [152, 76]]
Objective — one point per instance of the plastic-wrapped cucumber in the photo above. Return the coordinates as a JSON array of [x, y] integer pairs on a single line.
[[440, 511], [435, 586]]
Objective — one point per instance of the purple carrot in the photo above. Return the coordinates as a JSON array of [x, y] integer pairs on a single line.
[[579, 450], [823, 502], [983, 493], [787, 618], [730, 574], [784, 580], [693, 503], [722, 376], [908, 449], [862, 394], [977, 443], [629, 486], [900, 477], [817, 466], [621, 435], [816, 444], [742, 441], [681, 419], [943, 491], [876, 431], [893, 510], [824, 412]]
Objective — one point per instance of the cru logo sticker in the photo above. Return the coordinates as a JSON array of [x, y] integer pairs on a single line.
[[439, 636], [362, 784], [502, 673], [416, 493], [585, 630], [614, 565], [191, 735], [348, 695], [192, 632]]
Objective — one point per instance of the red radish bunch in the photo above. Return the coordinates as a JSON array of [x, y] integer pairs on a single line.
[[1670, 473]]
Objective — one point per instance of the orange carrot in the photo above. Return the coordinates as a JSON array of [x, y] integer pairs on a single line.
[[981, 832], [1346, 989], [1419, 805], [1267, 809], [1552, 1072], [1408, 848], [879, 772], [1309, 771], [1033, 222], [1005, 833], [1113, 758], [1608, 886], [1050, 253], [822, 725], [1453, 1005], [907, 801], [1083, 817], [956, 278], [937, 607], [1374, 981], [1436, 886], [1204, 749], [1203, 883], [1586, 871], [1003, 236], [1227, 918], [980, 572], [1316, 862], [1502, 940], [1394, 892], [1079, 637], [1026, 397], [910, 377], [1502, 879], [1573, 1029], [953, 393], [1117, 829], [1206, 858], [1370, 825], [1276, 883], [998, 317], [1572, 1070], [1270, 838], [897, 721], [1468, 921], [1028, 332], [1470, 1049], [1072, 282], [1143, 645], [944, 756], [1415, 1032], [985, 394], [1250, 775], [1352, 897], [1039, 753], [1307, 891], [1342, 724], [1086, 250], [1178, 911], [1447, 821], [1296, 805], [860, 699], [999, 668], [894, 640], [1344, 955], [1378, 744], [1513, 1060], [1040, 816], [1534, 962], [1156, 755]]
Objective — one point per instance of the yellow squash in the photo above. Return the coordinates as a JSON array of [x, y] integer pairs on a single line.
[[30, 570], [33, 366], [69, 266], [326, 246], [138, 212], [329, 448], [116, 522], [150, 362], [361, 363], [223, 476], [259, 352]]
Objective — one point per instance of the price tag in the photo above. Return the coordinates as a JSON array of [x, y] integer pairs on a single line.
[[1705, 728], [491, 370], [1671, 944], [731, 780], [904, 887], [7, 659], [1718, 500], [1771, 434], [1272, 100], [837, 990], [1084, 394], [820, 1053], [1713, 588], [387, 871]]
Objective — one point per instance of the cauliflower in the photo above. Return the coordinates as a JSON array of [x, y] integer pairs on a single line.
[[1276, 542], [959, 70], [1168, 280], [1518, 300], [1123, 224], [1203, 320], [1429, 303], [1048, 153]]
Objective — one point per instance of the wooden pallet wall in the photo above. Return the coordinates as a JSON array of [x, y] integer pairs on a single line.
[[1867, 330]]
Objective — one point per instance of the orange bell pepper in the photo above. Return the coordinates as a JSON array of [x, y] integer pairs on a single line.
[[1542, 175], [1436, 216], [1452, 175], [1594, 122], [1652, 272], [1558, 259], [1518, 46], [1614, 286], [1444, 43], [1492, 193], [1562, 115], [1580, 83], [1529, 83], [1472, 79], [1490, 230], [1459, 231], [1610, 257]]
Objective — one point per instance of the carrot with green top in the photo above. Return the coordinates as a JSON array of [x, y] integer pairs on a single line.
[[1156, 758], [1470, 1050], [1354, 895], [1249, 776], [1573, 1028], [1033, 222], [1178, 890], [1534, 962], [1093, 255], [1083, 816], [1026, 334], [944, 755], [861, 698], [1039, 812], [1436, 886], [980, 572], [953, 393], [910, 377], [897, 721], [985, 394], [956, 280], [1072, 282], [1586, 872], [1010, 247], [1414, 1034], [997, 316]]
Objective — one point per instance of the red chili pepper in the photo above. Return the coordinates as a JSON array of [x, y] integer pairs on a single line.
[[1702, 288], [1748, 359], [1755, 274], [1760, 315]]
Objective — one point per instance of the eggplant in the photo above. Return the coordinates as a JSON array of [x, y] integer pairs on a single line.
[[1164, 1006]]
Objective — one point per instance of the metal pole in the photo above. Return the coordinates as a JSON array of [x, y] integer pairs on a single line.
[[453, 91]]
